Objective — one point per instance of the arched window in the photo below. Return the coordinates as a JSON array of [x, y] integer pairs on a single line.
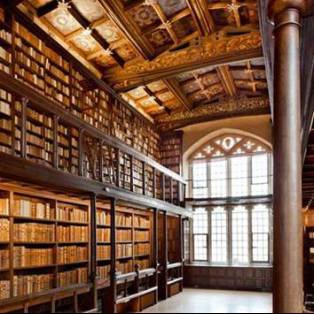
[[231, 165]]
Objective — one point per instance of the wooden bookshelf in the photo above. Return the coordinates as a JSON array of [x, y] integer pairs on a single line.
[[31, 60], [46, 249], [170, 279], [171, 157]]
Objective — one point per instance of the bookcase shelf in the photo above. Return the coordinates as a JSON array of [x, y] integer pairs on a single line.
[[36, 62]]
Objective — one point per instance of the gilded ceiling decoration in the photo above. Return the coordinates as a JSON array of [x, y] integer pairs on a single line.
[[168, 57]]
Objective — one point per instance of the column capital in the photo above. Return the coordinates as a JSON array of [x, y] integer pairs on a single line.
[[276, 7]]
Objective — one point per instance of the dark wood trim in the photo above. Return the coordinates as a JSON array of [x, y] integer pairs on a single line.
[[15, 168]]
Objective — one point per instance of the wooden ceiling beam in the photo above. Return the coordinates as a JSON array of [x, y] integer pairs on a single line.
[[84, 23], [48, 8], [166, 24], [227, 80], [79, 31], [201, 16], [174, 86], [156, 99], [119, 17], [11, 3], [209, 52], [94, 33]]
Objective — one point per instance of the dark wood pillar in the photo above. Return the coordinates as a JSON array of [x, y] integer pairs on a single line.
[[288, 239]]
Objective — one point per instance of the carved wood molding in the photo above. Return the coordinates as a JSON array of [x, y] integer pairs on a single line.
[[229, 108], [210, 51]]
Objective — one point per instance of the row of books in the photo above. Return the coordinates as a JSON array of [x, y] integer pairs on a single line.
[[124, 267], [57, 72], [141, 222], [30, 284], [142, 249], [5, 108], [29, 257], [123, 220], [103, 272], [4, 230], [72, 213], [103, 217], [124, 250], [72, 254], [4, 259], [124, 235], [4, 289], [142, 264], [4, 206], [141, 235], [32, 208], [103, 235], [73, 277], [6, 36], [72, 233], [103, 252], [33, 232]]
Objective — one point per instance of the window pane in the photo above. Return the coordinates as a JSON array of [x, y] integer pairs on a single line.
[[239, 176], [260, 174], [240, 235], [200, 221], [260, 230], [200, 179], [218, 177], [200, 247], [219, 235]]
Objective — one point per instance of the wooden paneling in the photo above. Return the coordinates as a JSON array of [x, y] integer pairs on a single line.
[[233, 278]]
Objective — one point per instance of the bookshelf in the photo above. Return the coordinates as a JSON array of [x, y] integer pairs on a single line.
[[44, 243], [170, 278], [171, 157], [36, 63]]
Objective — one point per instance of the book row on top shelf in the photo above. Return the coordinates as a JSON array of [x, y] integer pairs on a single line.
[[41, 68], [50, 241]]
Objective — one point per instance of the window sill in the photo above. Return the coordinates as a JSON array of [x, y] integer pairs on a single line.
[[205, 264]]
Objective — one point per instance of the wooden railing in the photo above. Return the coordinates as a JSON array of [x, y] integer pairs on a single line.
[[81, 149]]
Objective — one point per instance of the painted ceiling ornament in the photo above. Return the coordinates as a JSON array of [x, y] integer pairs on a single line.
[[87, 32], [108, 52], [63, 16], [166, 25]]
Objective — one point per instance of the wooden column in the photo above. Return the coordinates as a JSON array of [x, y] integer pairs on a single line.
[[93, 247], [288, 240]]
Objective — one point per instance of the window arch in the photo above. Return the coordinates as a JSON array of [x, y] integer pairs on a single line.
[[230, 165]]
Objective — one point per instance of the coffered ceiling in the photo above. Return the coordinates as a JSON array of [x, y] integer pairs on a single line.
[[164, 56]]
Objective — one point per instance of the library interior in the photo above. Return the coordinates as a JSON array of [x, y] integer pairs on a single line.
[[156, 156]]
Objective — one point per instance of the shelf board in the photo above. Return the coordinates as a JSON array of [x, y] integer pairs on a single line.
[[4, 270], [73, 243], [32, 219], [73, 263], [124, 257], [77, 223], [33, 243], [103, 226], [124, 227], [34, 267]]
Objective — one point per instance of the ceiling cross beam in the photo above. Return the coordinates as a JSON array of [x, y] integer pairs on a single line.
[[201, 16], [119, 17], [84, 23], [174, 86], [209, 52], [166, 23], [95, 34], [227, 80], [157, 100]]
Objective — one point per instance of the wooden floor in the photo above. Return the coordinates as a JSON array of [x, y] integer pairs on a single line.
[[215, 301]]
